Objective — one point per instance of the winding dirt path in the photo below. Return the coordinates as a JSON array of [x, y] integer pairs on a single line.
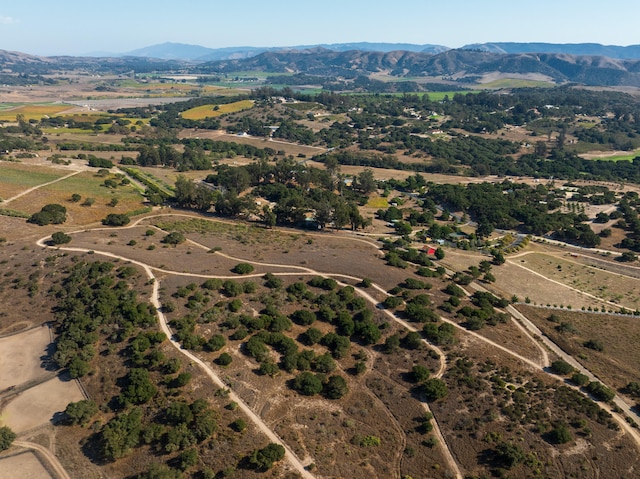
[[293, 460], [291, 457]]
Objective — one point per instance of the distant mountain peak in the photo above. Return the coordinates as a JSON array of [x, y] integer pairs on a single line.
[[582, 49], [183, 51]]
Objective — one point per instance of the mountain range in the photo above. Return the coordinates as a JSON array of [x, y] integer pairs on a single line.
[[181, 51], [589, 64]]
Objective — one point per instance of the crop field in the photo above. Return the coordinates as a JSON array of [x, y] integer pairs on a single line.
[[209, 111], [33, 111], [16, 177], [515, 83]]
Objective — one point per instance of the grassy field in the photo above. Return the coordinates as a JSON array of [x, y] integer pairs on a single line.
[[16, 177], [620, 157], [608, 286], [516, 83], [378, 202], [208, 111], [32, 111], [87, 185]]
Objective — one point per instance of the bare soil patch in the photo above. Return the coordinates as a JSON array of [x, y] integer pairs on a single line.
[[324, 252], [25, 465], [40, 404], [22, 356]]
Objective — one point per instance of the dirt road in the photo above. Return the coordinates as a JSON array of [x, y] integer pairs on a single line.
[[60, 471]]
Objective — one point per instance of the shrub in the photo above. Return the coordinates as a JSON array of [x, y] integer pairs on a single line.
[[51, 214], [215, 343], [263, 459], [303, 317], [335, 388], [419, 373], [174, 238], [6, 438], [242, 268], [79, 413], [594, 344], [60, 238], [224, 359], [239, 425], [600, 391], [366, 441], [560, 435], [116, 219], [580, 379], [435, 389], [307, 383], [561, 367]]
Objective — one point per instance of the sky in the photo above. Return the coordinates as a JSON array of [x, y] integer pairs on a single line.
[[77, 27]]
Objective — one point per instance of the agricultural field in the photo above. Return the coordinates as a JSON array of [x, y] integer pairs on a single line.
[[515, 83], [32, 111], [16, 177], [212, 111]]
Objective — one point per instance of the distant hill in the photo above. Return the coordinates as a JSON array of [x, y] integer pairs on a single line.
[[461, 64], [349, 60], [589, 49], [182, 51], [197, 53], [170, 51]]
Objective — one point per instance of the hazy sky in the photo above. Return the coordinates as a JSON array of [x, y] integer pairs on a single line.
[[75, 27]]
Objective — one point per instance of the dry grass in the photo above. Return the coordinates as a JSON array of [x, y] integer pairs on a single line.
[[209, 111], [604, 285], [17, 177], [289, 148], [32, 112], [87, 185], [618, 363]]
